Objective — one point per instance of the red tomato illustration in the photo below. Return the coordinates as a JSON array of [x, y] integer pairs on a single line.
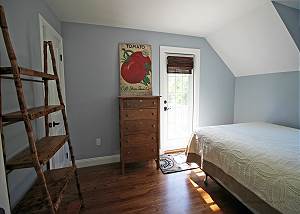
[[135, 68], [138, 56]]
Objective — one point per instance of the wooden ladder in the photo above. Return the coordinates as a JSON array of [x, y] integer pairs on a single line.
[[46, 194]]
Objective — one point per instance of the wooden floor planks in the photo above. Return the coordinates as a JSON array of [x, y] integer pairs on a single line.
[[146, 190]]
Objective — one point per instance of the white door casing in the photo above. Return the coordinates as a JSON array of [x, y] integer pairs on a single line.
[[167, 51], [4, 200], [48, 33]]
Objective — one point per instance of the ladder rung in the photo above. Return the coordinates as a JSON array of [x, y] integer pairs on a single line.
[[46, 148], [34, 113], [28, 72], [23, 79], [34, 200]]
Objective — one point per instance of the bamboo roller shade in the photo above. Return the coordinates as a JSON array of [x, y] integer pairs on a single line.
[[180, 64]]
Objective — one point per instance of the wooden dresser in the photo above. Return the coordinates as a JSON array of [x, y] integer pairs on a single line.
[[139, 129]]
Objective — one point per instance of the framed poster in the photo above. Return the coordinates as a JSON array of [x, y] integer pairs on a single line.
[[135, 69]]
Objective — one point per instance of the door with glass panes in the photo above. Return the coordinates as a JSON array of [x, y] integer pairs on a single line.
[[177, 91]]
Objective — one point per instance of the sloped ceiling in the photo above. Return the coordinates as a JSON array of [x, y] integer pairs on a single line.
[[256, 43], [248, 34], [290, 3], [291, 18]]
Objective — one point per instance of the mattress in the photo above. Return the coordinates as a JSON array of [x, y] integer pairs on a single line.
[[262, 157]]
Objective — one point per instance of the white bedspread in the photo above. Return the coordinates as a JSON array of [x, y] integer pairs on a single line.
[[263, 157]]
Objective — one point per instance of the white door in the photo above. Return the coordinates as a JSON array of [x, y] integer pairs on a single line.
[[56, 125], [180, 100]]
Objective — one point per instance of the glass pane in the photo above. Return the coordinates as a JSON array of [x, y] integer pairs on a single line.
[[171, 84], [185, 83], [179, 115], [179, 83]]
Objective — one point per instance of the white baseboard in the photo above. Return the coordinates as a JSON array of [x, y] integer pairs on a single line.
[[97, 161]]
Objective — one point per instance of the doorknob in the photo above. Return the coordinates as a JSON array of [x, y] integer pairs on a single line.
[[166, 108], [53, 124]]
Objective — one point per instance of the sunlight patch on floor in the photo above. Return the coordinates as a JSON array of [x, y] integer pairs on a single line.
[[214, 207], [204, 195], [197, 170], [199, 174], [194, 183]]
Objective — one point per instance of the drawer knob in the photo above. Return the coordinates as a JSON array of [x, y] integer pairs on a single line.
[[154, 102], [141, 109], [152, 113], [141, 101], [153, 138], [153, 125]]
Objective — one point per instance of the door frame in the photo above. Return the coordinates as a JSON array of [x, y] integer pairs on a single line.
[[43, 23], [4, 199], [164, 51]]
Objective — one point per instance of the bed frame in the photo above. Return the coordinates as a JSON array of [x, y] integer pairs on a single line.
[[244, 195]]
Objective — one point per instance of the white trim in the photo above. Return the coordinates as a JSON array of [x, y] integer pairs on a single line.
[[51, 33], [97, 161], [4, 200], [167, 50], [43, 22]]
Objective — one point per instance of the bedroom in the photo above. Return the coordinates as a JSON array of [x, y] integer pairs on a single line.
[[244, 69]]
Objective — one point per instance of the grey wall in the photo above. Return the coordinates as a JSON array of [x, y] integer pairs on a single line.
[[92, 82], [22, 17], [271, 98], [291, 18]]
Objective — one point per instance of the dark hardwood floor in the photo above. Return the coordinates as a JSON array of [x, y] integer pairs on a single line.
[[143, 189]]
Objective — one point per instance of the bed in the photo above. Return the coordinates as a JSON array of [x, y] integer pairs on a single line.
[[259, 163]]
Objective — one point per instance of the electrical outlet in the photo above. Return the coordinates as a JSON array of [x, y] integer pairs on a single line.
[[98, 141]]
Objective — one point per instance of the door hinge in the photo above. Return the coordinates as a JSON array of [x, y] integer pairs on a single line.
[[61, 57]]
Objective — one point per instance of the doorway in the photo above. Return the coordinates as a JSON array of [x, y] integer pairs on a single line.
[[180, 97], [56, 127]]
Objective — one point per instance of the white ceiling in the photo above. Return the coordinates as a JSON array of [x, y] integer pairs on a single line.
[[247, 34], [192, 17]]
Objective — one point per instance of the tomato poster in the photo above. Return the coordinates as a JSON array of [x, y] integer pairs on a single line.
[[135, 69]]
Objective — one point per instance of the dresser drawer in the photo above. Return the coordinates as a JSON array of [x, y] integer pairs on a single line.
[[140, 153], [135, 126], [139, 140], [139, 114], [140, 103]]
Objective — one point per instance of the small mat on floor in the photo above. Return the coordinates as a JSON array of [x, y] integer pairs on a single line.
[[176, 162]]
